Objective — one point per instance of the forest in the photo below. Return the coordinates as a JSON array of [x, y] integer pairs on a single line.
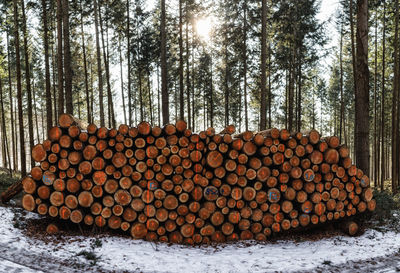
[[253, 64]]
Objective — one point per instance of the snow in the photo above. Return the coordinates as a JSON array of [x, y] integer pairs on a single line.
[[19, 253]]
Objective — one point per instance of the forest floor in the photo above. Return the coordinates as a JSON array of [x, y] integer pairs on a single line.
[[24, 247]]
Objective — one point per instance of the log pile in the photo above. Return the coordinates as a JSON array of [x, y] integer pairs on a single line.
[[172, 185]]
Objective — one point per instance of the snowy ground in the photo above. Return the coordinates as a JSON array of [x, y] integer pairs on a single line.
[[372, 252]]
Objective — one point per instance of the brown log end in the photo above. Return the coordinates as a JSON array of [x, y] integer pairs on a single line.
[[52, 229]]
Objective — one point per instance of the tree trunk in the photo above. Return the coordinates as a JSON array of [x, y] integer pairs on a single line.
[[35, 110], [158, 97], [19, 92], [362, 91], [140, 93], [246, 115], [299, 97], [60, 58], [395, 105], [269, 86], [99, 71], [187, 69], [3, 128], [150, 94], [13, 128], [53, 75], [129, 66], [111, 119], [376, 139], [181, 98], [341, 83], [383, 133], [67, 60], [28, 82], [164, 83], [353, 51], [49, 108], [122, 79], [263, 65], [89, 114], [226, 85]]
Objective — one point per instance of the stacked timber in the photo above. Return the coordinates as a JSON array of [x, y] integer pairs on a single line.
[[172, 185]]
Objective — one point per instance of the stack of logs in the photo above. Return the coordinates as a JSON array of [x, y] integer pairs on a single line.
[[172, 185]]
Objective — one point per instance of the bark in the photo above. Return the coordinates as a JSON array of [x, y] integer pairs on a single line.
[[353, 51], [12, 122], [269, 86], [19, 92], [27, 81], [111, 118], [49, 108], [362, 91], [129, 65], [35, 110], [6, 150], [263, 65], [122, 79], [341, 83], [376, 145], [60, 58], [181, 87], [188, 83], [395, 105], [67, 59], [246, 117], [89, 113], [99, 71], [164, 83], [382, 127]]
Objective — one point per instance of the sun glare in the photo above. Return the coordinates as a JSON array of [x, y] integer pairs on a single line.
[[203, 28]]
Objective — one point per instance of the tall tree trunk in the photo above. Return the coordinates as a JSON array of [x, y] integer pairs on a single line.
[[91, 92], [299, 102], [60, 72], [376, 145], [353, 50], [19, 92], [99, 71], [150, 94], [395, 105], [49, 108], [129, 65], [6, 151], [341, 83], [246, 114], [263, 65], [290, 98], [53, 75], [211, 108], [383, 160], [67, 60], [122, 79], [28, 83], [140, 94], [158, 97], [226, 86], [89, 114], [35, 110], [164, 84], [362, 91], [269, 86], [187, 69], [13, 127], [111, 119], [181, 98]]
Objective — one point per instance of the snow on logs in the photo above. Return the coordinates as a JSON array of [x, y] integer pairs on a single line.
[[172, 185]]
